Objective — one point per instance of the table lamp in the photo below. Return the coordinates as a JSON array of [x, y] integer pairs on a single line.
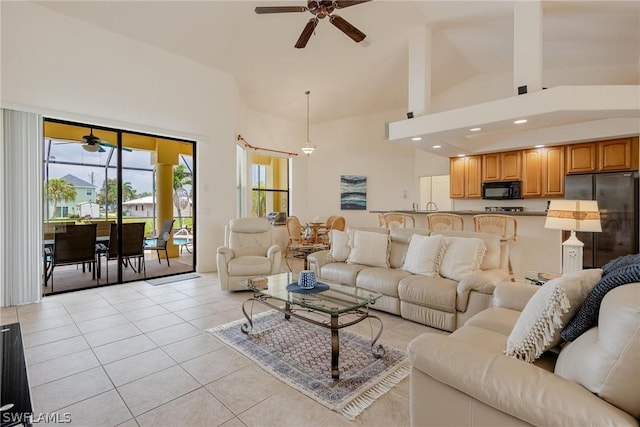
[[573, 215]]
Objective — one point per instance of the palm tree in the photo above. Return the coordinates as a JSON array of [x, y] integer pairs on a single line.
[[59, 190], [128, 192], [181, 177]]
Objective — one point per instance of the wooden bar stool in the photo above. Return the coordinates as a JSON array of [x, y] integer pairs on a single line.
[[398, 220], [445, 221]]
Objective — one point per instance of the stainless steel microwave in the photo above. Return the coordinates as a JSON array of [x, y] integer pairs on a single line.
[[501, 190]]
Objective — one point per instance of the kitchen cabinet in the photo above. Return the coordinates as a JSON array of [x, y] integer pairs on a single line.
[[501, 166], [465, 177], [618, 155], [603, 156], [543, 172]]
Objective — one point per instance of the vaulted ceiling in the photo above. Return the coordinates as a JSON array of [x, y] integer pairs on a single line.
[[598, 39]]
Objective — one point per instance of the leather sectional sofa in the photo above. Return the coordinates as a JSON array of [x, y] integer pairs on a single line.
[[465, 379], [438, 302]]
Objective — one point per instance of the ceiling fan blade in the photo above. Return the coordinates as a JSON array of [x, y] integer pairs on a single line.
[[341, 4], [280, 9], [306, 33], [355, 34], [107, 144]]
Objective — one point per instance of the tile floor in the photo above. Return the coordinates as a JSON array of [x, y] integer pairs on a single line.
[[138, 355]]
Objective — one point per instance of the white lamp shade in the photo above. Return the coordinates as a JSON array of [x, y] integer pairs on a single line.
[[573, 215]]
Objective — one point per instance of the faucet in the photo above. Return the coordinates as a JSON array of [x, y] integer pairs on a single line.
[[431, 207]]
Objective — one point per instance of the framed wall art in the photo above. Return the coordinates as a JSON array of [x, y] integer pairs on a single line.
[[353, 192]]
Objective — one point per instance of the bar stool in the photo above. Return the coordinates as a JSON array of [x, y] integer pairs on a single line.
[[399, 220], [504, 226], [445, 221]]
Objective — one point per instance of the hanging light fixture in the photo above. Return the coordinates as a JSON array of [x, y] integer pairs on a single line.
[[308, 148]]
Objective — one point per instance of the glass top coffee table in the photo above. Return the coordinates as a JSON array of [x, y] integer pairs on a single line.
[[335, 308]]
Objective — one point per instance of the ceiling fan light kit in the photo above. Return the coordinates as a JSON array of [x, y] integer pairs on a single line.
[[92, 148], [320, 9]]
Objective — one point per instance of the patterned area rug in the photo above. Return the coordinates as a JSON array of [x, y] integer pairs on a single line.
[[299, 354]]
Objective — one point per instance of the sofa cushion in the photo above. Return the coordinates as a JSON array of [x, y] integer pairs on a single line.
[[424, 255], [380, 280], [433, 292], [496, 319], [369, 248], [539, 325], [605, 359], [492, 242], [340, 272], [463, 256], [400, 238], [340, 248]]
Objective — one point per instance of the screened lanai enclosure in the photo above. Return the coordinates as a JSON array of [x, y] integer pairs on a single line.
[[118, 206]]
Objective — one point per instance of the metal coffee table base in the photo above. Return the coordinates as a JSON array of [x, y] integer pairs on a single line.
[[333, 323]]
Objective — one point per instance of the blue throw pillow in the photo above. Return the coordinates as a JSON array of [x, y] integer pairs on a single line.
[[587, 315], [622, 261]]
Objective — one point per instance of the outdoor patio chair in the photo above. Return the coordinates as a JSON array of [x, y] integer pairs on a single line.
[[132, 246], [73, 244], [161, 240]]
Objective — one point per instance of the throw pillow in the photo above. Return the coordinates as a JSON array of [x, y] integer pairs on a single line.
[[424, 255], [539, 325], [340, 248], [587, 315], [463, 256], [369, 248]]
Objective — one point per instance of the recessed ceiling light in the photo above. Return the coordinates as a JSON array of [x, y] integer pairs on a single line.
[[474, 129], [460, 155], [538, 146], [519, 122], [437, 146], [417, 138]]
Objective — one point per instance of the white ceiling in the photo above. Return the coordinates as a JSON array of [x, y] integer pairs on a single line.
[[600, 39]]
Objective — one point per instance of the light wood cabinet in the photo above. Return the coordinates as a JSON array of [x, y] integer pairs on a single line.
[[581, 158], [618, 154], [603, 156], [543, 172], [501, 166], [465, 177]]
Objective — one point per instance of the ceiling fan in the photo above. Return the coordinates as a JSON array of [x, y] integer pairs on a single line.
[[320, 9], [92, 143]]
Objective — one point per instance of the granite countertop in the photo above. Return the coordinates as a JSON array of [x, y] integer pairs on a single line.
[[467, 212]]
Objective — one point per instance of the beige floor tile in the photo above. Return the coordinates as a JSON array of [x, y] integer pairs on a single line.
[[198, 311], [124, 348], [137, 304], [55, 349], [245, 388], [234, 422], [195, 292], [131, 423], [214, 365], [390, 410], [102, 323], [123, 296], [104, 410], [181, 304], [46, 304], [145, 313], [287, 408], [69, 390], [157, 322], [157, 389], [193, 347], [173, 333], [154, 291], [54, 369], [168, 297], [132, 368], [93, 304], [198, 408], [217, 319], [41, 324], [41, 311], [49, 335], [91, 314], [8, 318], [116, 333]]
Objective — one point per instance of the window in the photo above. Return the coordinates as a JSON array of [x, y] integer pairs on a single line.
[[269, 185], [89, 192]]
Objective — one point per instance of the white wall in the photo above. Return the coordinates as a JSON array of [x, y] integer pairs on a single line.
[[65, 68]]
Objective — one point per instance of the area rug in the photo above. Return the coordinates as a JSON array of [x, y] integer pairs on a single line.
[[171, 279], [299, 354]]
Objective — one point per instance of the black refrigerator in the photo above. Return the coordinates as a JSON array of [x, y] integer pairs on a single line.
[[617, 196]]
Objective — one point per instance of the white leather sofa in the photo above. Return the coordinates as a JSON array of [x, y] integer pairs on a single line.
[[464, 379], [434, 301], [249, 251]]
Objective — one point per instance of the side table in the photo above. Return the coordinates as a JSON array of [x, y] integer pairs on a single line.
[[540, 278]]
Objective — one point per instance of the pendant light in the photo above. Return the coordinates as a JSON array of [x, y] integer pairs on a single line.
[[308, 148]]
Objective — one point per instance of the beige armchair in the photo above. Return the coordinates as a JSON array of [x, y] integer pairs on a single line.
[[249, 251]]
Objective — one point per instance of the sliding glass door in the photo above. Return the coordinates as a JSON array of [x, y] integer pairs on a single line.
[[134, 189]]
